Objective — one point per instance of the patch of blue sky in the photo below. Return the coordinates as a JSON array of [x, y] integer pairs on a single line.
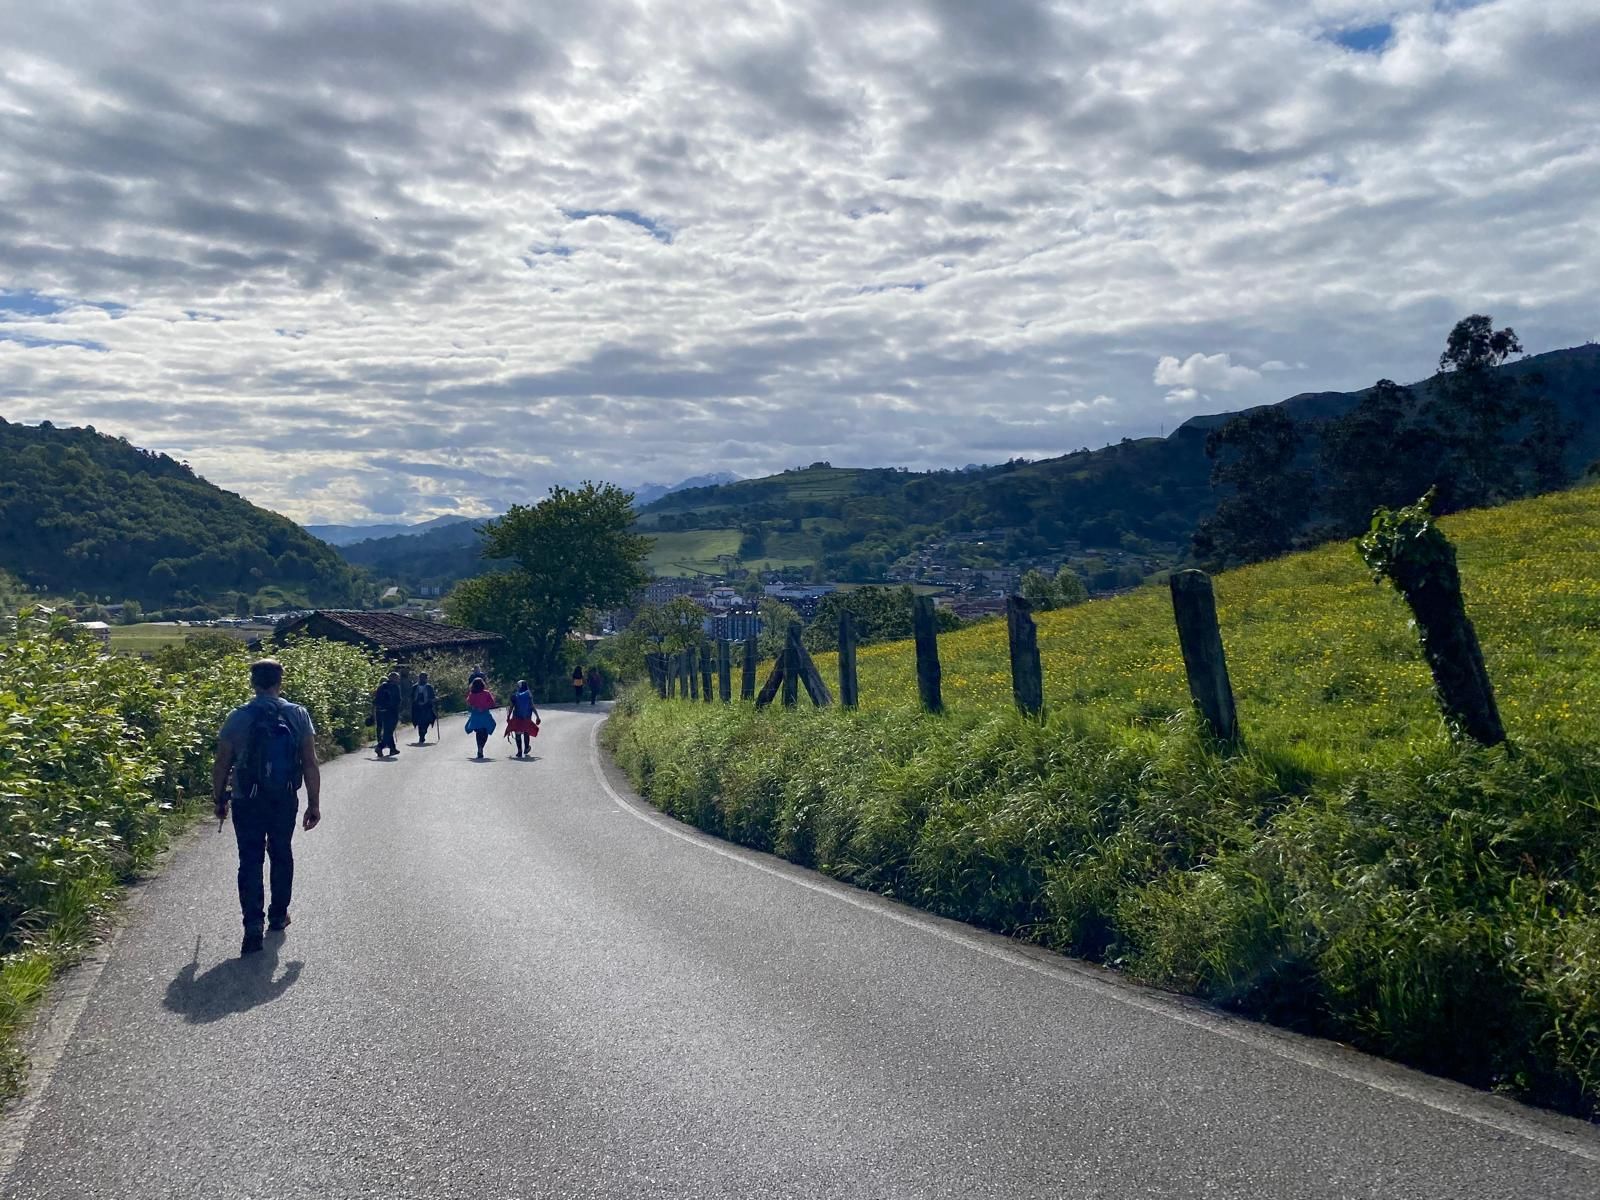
[[27, 302], [649, 224], [1364, 39], [891, 287], [538, 252], [33, 343]]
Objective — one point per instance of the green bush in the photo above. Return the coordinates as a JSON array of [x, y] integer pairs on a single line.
[[1438, 909], [96, 753]]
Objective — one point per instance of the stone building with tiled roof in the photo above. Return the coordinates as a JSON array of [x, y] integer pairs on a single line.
[[393, 636]]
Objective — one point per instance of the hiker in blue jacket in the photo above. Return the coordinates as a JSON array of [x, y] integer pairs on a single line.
[[269, 748]]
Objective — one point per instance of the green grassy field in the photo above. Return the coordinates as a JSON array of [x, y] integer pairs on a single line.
[[1352, 872], [693, 552], [1323, 662], [148, 637]]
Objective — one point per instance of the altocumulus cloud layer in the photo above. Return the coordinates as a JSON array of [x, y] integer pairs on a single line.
[[400, 259]]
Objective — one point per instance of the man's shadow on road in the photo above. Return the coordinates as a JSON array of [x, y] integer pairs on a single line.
[[234, 985]]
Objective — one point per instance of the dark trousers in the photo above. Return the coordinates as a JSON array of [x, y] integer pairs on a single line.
[[386, 728], [524, 743], [594, 692], [423, 720], [483, 738], [264, 831]]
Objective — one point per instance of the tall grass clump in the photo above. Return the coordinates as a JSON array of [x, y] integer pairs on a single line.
[[98, 754], [1354, 872]]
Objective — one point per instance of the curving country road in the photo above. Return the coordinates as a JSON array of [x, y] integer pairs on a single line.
[[512, 979]]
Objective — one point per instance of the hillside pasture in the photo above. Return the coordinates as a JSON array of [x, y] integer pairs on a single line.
[[692, 552]]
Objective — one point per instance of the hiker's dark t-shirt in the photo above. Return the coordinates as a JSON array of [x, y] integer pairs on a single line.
[[236, 729]]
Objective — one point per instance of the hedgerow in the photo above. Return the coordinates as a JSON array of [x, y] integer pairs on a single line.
[[97, 755]]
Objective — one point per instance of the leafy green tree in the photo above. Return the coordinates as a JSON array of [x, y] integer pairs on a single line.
[[1069, 588], [1377, 455], [883, 614], [1039, 590], [776, 618], [574, 551], [241, 606], [1254, 455], [1476, 408]]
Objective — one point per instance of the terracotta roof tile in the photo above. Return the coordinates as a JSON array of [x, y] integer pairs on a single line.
[[393, 632]]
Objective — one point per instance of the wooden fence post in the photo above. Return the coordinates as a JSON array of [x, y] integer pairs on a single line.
[[1027, 676], [747, 681], [724, 670], [849, 692], [791, 665], [927, 638], [1194, 606], [694, 676], [705, 673]]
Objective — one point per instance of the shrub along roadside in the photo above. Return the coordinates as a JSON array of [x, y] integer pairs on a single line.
[[1439, 909], [98, 756]]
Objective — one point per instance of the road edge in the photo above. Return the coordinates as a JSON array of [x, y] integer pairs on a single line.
[[1554, 1131]]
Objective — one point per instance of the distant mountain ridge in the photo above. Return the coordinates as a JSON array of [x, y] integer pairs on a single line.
[[856, 524], [649, 493], [345, 535]]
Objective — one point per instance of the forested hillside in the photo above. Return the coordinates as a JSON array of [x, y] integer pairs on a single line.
[[83, 512], [1310, 463]]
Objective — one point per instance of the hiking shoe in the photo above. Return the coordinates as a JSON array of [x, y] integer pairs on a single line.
[[251, 944], [278, 924]]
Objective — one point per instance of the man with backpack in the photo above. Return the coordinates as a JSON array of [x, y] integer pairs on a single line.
[[423, 712], [269, 748]]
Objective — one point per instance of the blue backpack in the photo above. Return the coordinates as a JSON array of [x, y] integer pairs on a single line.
[[269, 768]]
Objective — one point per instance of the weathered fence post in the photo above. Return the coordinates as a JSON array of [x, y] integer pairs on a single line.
[[1194, 606], [705, 673], [849, 693], [791, 665], [926, 633], [1027, 676], [658, 674], [1409, 550], [694, 675], [747, 681], [724, 670]]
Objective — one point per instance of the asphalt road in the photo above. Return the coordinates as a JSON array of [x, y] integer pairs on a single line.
[[508, 979]]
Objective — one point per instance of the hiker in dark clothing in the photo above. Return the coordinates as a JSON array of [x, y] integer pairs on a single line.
[[474, 676], [596, 681], [269, 748], [386, 713], [577, 685], [423, 710]]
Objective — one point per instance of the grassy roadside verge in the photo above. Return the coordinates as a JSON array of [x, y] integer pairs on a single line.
[[1352, 874], [101, 759]]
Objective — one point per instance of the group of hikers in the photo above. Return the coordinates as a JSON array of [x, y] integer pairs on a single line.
[[266, 750], [522, 714]]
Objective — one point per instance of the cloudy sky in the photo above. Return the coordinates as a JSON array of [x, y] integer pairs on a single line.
[[382, 260]]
